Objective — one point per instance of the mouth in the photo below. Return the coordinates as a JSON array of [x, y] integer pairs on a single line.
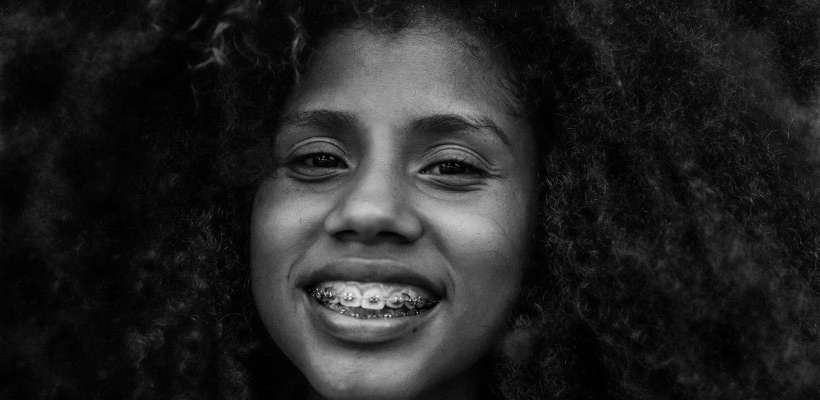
[[364, 301], [372, 289], [373, 300]]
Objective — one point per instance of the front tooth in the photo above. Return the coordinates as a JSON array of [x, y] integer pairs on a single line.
[[350, 296], [372, 299]]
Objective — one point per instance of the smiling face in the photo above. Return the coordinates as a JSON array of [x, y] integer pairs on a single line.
[[389, 244]]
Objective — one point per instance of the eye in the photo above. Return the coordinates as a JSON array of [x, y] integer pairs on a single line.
[[317, 165], [454, 175], [451, 167], [325, 161]]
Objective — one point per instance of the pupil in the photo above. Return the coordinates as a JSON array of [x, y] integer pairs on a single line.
[[325, 161], [452, 168]]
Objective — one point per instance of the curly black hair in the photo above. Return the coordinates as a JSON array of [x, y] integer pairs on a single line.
[[677, 239]]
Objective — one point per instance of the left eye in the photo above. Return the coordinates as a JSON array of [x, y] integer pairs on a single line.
[[324, 161], [450, 168]]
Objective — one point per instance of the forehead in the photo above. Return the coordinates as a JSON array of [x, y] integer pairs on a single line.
[[413, 51], [443, 65]]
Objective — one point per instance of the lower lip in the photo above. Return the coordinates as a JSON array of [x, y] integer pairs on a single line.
[[366, 331]]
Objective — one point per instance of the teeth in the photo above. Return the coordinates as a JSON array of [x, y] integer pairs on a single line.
[[328, 295], [351, 296], [395, 301], [410, 299], [372, 300]]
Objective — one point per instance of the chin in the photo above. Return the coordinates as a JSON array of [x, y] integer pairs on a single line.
[[362, 387], [395, 385]]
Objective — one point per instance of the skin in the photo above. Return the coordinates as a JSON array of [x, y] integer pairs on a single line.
[[364, 179]]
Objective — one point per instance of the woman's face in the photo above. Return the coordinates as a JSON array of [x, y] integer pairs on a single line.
[[401, 178]]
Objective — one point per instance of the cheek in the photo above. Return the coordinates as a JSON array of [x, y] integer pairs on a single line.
[[278, 217], [280, 224], [483, 236], [487, 243]]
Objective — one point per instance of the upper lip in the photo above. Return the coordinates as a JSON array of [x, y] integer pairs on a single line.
[[370, 270]]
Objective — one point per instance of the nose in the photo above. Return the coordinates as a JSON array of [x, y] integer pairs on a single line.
[[374, 207]]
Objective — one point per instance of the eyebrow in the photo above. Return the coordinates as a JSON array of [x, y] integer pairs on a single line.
[[325, 120], [449, 123], [328, 120]]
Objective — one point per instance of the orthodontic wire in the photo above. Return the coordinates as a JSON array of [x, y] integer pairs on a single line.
[[417, 302]]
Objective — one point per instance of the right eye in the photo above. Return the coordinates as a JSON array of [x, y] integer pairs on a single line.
[[317, 165]]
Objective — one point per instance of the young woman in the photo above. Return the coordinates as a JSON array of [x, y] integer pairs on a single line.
[[389, 243], [432, 199]]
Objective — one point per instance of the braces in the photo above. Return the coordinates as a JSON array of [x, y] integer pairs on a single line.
[[418, 302]]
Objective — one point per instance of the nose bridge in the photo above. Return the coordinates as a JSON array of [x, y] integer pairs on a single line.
[[376, 203], [377, 189]]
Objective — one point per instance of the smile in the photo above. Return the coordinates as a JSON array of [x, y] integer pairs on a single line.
[[372, 300]]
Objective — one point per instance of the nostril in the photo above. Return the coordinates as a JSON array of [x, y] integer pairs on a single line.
[[369, 220]]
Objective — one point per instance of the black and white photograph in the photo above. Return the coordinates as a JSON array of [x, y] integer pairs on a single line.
[[410, 199]]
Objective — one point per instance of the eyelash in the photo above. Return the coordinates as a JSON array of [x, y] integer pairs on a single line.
[[471, 169], [315, 156], [304, 165]]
